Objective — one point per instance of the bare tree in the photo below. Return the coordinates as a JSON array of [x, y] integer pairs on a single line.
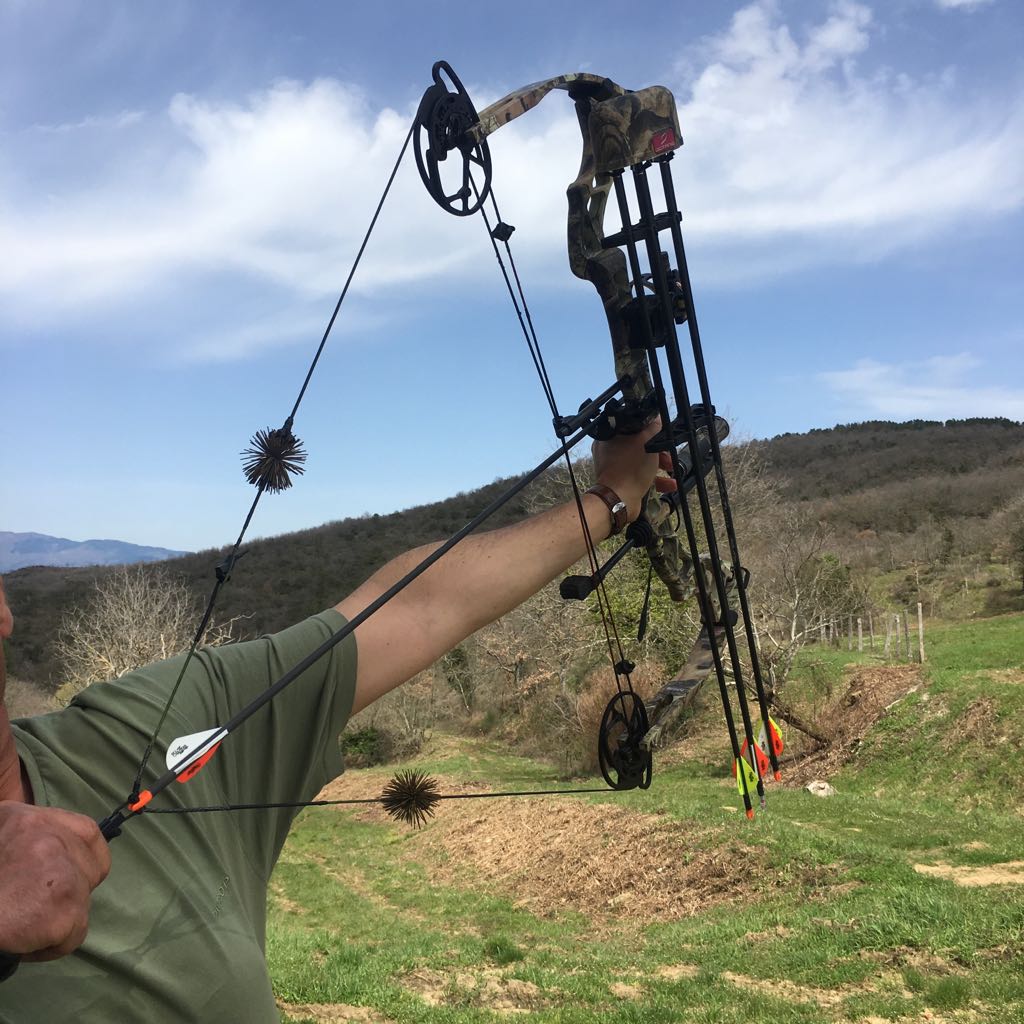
[[135, 616]]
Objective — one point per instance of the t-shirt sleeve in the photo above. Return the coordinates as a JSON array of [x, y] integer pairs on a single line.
[[284, 753]]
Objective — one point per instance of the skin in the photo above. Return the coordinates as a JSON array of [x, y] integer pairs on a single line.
[[51, 859]]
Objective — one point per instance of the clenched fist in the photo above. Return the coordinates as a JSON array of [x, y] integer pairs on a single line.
[[50, 862]]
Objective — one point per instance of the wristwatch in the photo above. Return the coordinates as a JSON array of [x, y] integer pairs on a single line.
[[616, 506]]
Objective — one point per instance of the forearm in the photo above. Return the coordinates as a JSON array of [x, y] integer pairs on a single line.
[[478, 581], [490, 573]]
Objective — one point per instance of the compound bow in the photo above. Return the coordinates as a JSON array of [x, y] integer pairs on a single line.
[[645, 298]]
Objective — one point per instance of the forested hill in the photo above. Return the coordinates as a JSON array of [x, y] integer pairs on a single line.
[[893, 494], [919, 478], [845, 459]]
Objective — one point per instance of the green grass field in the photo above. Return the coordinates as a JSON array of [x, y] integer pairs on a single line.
[[901, 898]]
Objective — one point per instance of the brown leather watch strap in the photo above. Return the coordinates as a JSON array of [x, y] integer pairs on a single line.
[[616, 506]]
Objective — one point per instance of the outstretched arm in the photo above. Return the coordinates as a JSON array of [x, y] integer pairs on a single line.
[[485, 576]]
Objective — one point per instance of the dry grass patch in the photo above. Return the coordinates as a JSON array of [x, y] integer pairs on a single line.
[[489, 989], [1010, 872], [551, 854], [332, 1013], [872, 691]]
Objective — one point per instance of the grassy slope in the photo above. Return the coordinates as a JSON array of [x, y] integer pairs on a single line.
[[848, 930]]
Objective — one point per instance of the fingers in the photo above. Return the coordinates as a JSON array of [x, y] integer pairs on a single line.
[[92, 851], [50, 862], [665, 482]]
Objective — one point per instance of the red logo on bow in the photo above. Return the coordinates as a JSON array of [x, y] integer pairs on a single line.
[[662, 141]]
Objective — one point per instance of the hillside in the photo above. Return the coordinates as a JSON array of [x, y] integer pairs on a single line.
[[921, 496]]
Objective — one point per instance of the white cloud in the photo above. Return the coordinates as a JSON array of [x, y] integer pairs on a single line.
[[113, 121], [962, 5], [795, 155], [788, 139], [276, 189], [936, 388]]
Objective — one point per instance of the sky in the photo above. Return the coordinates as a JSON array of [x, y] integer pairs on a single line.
[[184, 186]]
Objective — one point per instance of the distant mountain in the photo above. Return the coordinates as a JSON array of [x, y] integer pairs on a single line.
[[18, 550]]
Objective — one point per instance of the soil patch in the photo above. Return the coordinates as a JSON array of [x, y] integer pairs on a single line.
[[978, 722], [282, 902], [551, 854], [1011, 676], [1010, 872], [332, 1013], [600, 860], [674, 972], [870, 694], [489, 989], [917, 959], [791, 992]]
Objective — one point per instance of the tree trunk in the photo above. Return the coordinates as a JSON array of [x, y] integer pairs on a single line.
[[790, 717]]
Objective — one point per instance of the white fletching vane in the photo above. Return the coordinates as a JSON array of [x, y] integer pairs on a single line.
[[184, 750]]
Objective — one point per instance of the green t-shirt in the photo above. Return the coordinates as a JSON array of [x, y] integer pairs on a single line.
[[177, 930]]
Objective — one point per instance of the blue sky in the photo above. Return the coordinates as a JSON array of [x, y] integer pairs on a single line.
[[183, 187]]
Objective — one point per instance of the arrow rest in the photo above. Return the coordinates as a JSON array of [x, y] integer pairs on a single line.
[[442, 121]]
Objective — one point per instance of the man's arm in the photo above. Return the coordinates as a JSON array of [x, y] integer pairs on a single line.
[[485, 576]]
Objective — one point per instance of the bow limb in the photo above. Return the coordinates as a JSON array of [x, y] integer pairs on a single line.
[[509, 107]]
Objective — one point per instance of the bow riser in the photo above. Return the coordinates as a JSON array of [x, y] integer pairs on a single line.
[[624, 129]]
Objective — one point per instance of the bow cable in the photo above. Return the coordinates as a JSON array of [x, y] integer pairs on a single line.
[[502, 232]]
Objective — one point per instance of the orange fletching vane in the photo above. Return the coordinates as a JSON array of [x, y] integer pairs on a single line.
[[195, 767]]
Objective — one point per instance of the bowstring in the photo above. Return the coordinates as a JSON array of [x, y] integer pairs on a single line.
[[612, 638], [226, 565], [299, 804]]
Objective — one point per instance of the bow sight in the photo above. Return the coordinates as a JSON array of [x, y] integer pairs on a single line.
[[646, 293]]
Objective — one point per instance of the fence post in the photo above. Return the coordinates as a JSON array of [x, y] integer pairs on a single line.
[[906, 630], [888, 633], [860, 635], [920, 633]]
